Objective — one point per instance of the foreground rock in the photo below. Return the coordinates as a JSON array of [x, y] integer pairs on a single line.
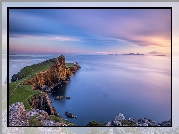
[[61, 98], [70, 115], [41, 118], [120, 120], [17, 115]]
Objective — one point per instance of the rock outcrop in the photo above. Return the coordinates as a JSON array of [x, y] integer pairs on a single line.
[[42, 102], [42, 118], [56, 74], [45, 81], [121, 121], [17, 115]]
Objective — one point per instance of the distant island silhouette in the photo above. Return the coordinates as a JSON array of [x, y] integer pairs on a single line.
[[160, 55], [133, 54], [113, 54]]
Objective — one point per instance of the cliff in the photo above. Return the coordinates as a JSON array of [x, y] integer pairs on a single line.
[[18, 116], [42, 102], [56, 74], [28, 69], [44, 76]]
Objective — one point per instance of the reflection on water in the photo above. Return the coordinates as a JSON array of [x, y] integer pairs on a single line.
[[137, 86]]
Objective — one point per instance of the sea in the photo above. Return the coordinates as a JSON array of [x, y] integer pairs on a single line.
[[137, 86]]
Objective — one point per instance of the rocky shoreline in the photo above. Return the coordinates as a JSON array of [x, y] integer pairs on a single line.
[[44, 81], [120, 120], [43, 114], [57, 74], [18, 116]]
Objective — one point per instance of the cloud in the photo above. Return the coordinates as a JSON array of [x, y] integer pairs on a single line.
[[99, 29], [47, 37]]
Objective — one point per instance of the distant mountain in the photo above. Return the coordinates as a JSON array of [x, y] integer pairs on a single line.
[[133, 54], [153, 52]]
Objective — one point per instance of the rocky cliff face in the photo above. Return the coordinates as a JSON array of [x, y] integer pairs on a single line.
[[57, 73], [42, 102], [17, 115], [45, 81]]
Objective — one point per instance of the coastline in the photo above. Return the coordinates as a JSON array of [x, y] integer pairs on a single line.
[[84, 124], [40, 99]]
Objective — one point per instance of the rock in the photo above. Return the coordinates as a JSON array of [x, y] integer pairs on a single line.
[[61, 98], [70, 115], [17, 115], [42, 102], [14, 78], [57, 73], [120, 117], [166, 123], [121, 121]]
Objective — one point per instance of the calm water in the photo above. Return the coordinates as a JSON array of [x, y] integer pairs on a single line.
[[137, 86]]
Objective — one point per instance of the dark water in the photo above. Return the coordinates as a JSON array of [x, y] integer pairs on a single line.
[[137, 86]]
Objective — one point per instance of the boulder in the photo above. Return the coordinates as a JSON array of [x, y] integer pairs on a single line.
[[17, 115]]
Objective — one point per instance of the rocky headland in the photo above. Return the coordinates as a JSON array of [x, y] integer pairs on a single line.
[[57, 74], [41, 113], [43, 81]]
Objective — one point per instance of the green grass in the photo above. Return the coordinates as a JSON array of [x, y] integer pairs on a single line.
[[55, 118], [124, 122], [95, 123], [30, 71], [34, 121], [60, 120], [23, 93], [68, 64]]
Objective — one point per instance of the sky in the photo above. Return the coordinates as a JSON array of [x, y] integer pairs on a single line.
[[89, 31]]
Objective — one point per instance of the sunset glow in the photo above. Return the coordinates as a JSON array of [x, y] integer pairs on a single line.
[[89, 31]]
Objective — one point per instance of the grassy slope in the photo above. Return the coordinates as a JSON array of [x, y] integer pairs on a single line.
[[22, 93], [69, 64]]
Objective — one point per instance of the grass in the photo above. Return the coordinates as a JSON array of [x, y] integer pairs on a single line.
[[30, 71], [94, 123], [34, 121], [23, 93], [69, 64], [124, 122], [60, 120]]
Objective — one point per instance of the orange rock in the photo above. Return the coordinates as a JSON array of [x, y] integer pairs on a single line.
[[55, 73]]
